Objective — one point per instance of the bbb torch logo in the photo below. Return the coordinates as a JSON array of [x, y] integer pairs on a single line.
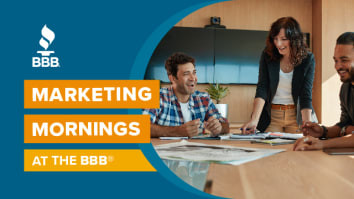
[[46, 60]]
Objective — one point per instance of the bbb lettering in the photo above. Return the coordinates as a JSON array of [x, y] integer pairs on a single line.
[[45, 62]]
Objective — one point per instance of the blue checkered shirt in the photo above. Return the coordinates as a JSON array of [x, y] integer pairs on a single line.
[[170, 114]]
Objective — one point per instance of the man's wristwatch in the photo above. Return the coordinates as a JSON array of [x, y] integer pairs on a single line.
[[343, 131], [324, 134]]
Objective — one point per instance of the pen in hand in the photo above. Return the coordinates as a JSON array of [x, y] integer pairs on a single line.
[[299, 129], [247, 129]]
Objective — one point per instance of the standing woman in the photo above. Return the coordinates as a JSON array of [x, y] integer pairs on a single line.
[[286, 72]]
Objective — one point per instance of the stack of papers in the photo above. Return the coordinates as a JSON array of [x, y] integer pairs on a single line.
[[268, 135], [249, 136], [289, 136], [273, 142]]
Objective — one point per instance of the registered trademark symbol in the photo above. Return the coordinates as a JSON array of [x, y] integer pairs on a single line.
[[110, 158]]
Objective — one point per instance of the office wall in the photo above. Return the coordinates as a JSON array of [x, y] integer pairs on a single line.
[[337, 17], [317, 50], [250, 15]]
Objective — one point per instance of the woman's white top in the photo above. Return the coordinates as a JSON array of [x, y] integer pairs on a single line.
[[283, 94], [187, 114]]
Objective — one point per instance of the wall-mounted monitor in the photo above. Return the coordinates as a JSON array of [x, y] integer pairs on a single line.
[[195, 42], [226, 56], [237, 54]]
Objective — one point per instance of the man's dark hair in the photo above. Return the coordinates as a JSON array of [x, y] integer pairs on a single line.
[[176, 59], [346, 38]]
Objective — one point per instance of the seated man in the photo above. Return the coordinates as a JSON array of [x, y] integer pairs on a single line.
[[184, 112], [342, 132]]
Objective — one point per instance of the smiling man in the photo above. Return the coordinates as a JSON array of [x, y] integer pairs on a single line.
[[343, 131], [184, 111]]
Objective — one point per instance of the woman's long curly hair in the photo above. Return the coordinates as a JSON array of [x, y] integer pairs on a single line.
[[298, 47]]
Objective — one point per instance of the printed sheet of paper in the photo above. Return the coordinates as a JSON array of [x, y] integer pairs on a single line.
[[185, 150], [268, 135], [273, 142]]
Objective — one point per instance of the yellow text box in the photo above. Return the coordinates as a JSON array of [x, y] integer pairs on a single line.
[[77, 94], [86, 129], [86, 160]]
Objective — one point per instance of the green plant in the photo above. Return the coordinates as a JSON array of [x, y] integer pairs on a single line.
[[217, 92]]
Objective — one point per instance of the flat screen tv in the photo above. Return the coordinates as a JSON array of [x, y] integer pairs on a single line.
[[224, 56], [195, 42], [237, 54]]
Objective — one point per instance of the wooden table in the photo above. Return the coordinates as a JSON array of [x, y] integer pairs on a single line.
[[290, 174]]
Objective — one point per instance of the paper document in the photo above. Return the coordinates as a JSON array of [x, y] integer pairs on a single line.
[[268, 135], [290, 136], [273, 142], [185, 150], [249, 136]]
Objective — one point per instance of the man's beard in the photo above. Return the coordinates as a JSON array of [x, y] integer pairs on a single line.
[[350, 71]]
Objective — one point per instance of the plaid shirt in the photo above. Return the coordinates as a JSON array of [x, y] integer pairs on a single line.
[[170, 114]]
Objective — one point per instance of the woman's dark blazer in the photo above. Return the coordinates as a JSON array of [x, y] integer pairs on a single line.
[[268, 80]]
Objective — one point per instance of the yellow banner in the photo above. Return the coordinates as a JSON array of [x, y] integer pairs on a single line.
[[86, 160], [77, 94], [87, 128]]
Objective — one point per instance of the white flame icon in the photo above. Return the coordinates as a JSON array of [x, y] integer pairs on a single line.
[[49, 35]]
